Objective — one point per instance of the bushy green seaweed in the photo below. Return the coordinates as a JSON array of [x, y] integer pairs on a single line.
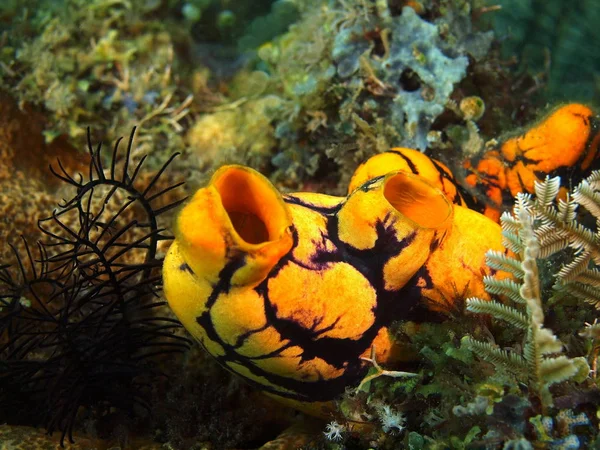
[[353, 78], [109, 64], [340, 80], [113, 64]]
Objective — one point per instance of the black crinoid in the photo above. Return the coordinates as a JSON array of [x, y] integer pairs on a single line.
[[82, 327]]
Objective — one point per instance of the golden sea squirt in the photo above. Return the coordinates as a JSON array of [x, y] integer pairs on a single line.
[[409, 160], [290, 291], [564, 143], [457, 267]]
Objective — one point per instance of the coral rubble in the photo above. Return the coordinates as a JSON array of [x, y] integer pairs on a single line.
[[27, 189]]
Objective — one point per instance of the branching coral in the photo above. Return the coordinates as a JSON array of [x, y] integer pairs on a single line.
[[539, 228], [581, 277]]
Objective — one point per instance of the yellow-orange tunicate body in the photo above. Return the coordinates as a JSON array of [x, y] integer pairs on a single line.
[[565, 144], [409, 160], [289, 292]]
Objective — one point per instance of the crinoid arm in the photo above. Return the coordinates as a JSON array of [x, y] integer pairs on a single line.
[[81, 322]]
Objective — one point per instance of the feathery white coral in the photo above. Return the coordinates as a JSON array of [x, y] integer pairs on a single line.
[[333, 431], [391, 421], [537, 228]]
